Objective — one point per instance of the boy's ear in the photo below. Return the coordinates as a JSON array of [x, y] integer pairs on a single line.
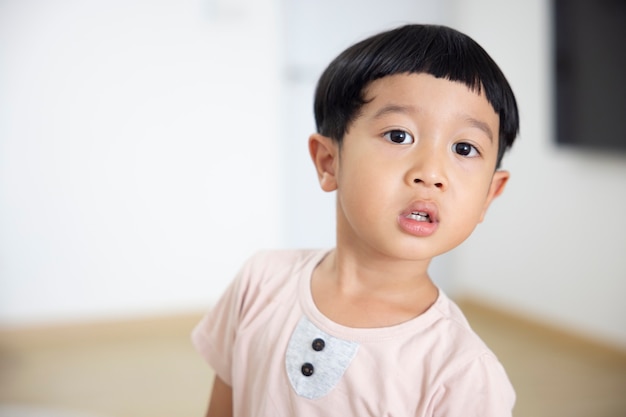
[[498, 182], [324, 153]]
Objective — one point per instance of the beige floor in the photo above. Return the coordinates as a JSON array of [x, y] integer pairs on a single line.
[[134, 369], [148, 368]]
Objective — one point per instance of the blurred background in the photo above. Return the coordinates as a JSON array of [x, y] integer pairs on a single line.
[[148, 147]]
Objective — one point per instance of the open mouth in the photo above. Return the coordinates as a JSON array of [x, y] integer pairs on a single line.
[[420, 216]]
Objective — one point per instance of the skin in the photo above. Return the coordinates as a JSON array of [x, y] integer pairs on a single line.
[[419, 144], [221, 403]]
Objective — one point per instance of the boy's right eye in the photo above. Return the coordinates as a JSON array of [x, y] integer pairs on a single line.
[[399, 137]]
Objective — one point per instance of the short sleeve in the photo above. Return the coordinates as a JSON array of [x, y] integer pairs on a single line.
[[214, 337], [479, 389]]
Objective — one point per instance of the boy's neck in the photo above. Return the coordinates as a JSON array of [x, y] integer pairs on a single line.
[[371, 291], [374, 272]]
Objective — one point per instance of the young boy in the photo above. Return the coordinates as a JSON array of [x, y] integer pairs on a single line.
[[412, 125]]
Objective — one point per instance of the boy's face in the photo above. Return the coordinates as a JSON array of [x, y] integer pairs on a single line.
[[416, 170]]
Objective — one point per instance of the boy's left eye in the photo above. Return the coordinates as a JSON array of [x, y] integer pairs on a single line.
[[465, 149], [399, 137]]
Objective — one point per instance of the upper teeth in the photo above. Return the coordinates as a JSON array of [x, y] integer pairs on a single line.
[[419, 216]]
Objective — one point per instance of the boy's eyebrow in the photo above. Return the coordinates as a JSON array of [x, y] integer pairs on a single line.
[[480, 125], [393, 108]]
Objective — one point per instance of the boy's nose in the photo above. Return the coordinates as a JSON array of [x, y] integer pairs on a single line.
[[427, 170]]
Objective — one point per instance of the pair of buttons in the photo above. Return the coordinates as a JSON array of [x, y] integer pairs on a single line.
[[318, 345]]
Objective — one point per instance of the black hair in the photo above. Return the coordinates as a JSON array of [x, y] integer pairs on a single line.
[[433, 49]]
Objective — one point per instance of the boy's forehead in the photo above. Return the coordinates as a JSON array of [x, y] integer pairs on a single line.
[[408, 93]]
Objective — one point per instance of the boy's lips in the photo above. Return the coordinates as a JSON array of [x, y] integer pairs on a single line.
[[419, 219], [421, 212]]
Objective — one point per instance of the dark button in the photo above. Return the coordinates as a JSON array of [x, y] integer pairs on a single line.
[[307, 369], [318, 344]]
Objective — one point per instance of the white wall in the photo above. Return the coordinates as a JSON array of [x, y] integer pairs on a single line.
[[554, 246], [143, 156], [138, 162]]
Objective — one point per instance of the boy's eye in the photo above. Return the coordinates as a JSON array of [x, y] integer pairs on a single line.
[[465, 149], [399, 136]]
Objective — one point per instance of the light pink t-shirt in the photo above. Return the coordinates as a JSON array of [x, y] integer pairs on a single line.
[[283, 357]]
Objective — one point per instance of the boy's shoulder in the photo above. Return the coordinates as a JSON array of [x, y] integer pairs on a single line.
[[462, 341], [270, 276]]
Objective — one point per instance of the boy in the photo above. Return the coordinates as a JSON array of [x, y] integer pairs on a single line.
[[412, 125]]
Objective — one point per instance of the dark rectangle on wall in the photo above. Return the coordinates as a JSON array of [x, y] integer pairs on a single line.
[[590, 73]]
